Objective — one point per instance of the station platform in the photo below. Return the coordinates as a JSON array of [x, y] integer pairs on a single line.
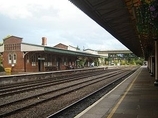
[[135, 97]]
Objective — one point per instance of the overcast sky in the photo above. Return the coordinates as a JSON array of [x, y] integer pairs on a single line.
[[58, 20]]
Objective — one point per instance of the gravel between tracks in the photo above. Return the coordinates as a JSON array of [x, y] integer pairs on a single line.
[[44, 109]]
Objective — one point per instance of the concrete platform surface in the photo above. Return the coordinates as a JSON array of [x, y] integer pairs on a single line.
[[135, 97]]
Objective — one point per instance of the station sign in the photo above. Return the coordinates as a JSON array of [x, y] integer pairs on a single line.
[[41, 58]]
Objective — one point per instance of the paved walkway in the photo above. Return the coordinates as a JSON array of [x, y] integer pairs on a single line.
[[136, 97]]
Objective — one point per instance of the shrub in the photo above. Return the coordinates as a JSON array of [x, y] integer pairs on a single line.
[[1, 69]]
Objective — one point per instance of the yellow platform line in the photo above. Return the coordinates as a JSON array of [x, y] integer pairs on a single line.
[[117, 105]]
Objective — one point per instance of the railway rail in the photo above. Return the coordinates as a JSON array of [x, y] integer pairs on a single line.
[[41, 94], [31, 85]]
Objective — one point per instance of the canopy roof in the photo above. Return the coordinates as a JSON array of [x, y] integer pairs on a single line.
[[130, 21]]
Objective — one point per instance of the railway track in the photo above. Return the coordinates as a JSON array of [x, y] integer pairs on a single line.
[[62, 87], [75, 108], [28, 86]]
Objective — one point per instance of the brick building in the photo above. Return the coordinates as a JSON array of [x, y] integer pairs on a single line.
[[25, 57], [69, 47]]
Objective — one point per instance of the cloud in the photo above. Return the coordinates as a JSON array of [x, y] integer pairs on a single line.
[[14, 9], [58, 20], [35, 8]]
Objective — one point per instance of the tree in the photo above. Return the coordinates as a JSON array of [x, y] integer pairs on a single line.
[[6, 37], [77, 48]]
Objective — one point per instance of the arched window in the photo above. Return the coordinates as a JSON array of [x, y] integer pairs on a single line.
[[49, 59], [14, 58], [9, 58], [34, 60], [27, 58]]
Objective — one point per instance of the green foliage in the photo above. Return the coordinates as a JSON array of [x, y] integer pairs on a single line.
[[139, 61], [123, 62], [147, 18], [77, 48], [6, 37], [126, 59], [96, 62], [1, 60], [81, 62], [101, 61], [1, 69]]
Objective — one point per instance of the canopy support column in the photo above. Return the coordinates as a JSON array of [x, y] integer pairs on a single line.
[[156, 63]]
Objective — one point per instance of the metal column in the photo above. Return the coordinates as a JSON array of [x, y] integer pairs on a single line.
[[156, 62], [149, 65], [152, 65]]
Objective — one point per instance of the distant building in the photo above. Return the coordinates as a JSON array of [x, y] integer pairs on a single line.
[[116, 57], [91, 51], [72, 48], [25, 57], [112, 57], [63, 46]]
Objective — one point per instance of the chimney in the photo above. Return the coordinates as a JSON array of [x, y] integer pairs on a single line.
[[44, 41]]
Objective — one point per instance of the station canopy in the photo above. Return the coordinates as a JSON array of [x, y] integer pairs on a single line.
[[133, 22]]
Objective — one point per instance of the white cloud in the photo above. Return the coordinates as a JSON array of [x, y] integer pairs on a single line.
[[29, 8], [14, 9], [58, 20]]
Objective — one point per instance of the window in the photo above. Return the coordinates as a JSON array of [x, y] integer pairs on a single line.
[[49, 60], [12, 58], [33, 63], [49, 63], [54, 60], [27, 58], [45, 64], [34, 60], [64, 60]]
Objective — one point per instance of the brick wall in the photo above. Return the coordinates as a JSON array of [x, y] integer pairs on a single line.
[[12, 46], [61, 46]]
